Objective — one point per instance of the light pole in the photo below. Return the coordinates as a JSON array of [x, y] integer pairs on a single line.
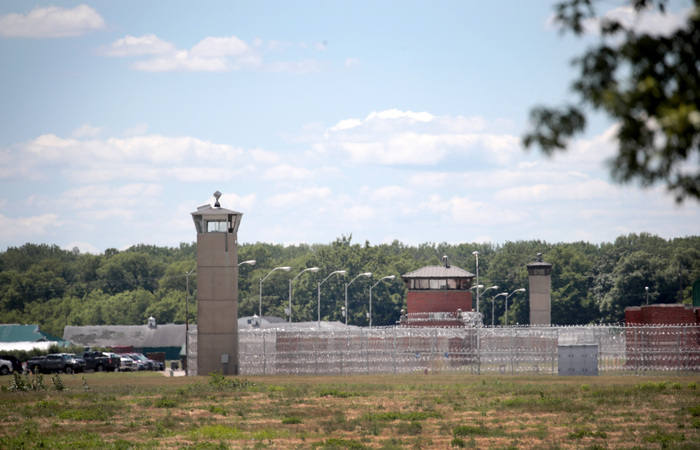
[[187, 319], [646, 288], [507, 297], [286, 269], [388, 277], [310, 269], [492, 301], [477, 287], [339, 272], [476, 254], [345, 311], [250, 262]]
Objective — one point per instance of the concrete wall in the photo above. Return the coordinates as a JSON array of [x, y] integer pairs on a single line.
[[540, 300], [217, 303]]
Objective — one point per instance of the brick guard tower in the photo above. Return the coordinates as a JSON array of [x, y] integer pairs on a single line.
[[217, 288], [437, 295]]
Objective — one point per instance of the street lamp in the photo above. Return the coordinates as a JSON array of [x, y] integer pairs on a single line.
[[646, 288], [493, 300], [507, 297], [388, 277], [250, 261], [339, 272], [310, 269], [187, 319], [286, 269], [345, 311], [476, 254]]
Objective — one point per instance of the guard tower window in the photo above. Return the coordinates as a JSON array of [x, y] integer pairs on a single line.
[[216, 226], [539, 271], [438, 284]]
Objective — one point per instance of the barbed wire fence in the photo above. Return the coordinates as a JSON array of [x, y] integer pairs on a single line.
[[618, 350]]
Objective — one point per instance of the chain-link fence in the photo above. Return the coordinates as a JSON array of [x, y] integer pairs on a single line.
[[501, 350]]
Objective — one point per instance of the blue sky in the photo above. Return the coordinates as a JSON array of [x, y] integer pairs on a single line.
[[316, 119]]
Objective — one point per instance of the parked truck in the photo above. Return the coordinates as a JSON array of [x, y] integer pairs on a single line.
[[5, 367], [57, 362], [99, 362]]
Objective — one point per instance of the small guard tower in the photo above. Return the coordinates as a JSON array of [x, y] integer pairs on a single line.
[[437, 295], [217, 288], [540, 289]]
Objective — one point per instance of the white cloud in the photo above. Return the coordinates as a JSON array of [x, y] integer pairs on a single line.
[[264, 156], [147, 158], [357, 214], [467, 211], [87, 130], [288, 172], [156, 149], [211, 54], [215, 47], [51, 22], [395, 137], [26, 228], [391, 193], [352, 62], [550, 192], [293, 199], [148, 44], [245, 203]]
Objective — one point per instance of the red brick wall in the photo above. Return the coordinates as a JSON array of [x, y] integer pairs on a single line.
[[672, 314], [660, 347], [633, 314], [438, 301]]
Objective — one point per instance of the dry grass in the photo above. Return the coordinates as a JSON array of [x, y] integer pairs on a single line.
[[125, 410]]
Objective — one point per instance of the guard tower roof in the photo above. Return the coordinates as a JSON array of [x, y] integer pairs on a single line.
[[438, 272]]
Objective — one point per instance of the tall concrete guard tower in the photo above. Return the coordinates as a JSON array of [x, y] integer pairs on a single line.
[[540, 289], [217, 288]]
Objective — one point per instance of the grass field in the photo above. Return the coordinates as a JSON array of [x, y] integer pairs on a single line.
[[149, 410]]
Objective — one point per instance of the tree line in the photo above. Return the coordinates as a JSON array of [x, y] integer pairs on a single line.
[[591, 283]]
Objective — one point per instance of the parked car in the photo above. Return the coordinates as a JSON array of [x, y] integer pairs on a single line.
[[148, 364], [99, 361], [16, 363], [5, 367], [56, 362], [126, 364], [78, 362]]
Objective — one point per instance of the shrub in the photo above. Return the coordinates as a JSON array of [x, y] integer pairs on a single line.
[[57, 383], [165, 402], [458, 442], [468, 430], [291, 420]]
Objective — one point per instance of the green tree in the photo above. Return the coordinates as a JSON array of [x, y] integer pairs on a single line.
[[572, 276], [130, 270], [648, 84], [632, 275]]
